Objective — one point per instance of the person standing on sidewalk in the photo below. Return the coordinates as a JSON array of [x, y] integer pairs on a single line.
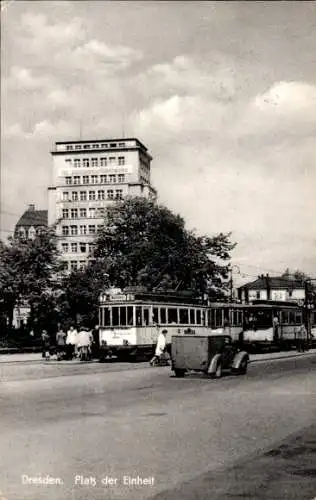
[[301, 338], [45, 345], [72, 341], [85, 340], [61, 343]]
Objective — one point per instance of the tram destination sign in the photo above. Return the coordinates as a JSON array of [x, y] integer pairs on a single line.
[[117, 297]]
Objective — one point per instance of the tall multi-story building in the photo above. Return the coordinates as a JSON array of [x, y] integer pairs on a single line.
[[87, 177]]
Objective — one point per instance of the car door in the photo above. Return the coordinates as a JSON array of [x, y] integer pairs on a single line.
[[228, 352]]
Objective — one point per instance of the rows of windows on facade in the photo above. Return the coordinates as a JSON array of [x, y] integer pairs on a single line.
[[76, 180], [88, 176]]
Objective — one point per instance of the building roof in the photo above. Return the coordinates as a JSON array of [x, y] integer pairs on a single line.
[[32, 217], [93, 141], [275, 283]]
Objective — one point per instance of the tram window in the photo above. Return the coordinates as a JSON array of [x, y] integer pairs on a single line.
[[146, 316], [298, 318], [238, 318], [138, 316], [262, 319], [291, 317], [192, 317], [198, 317], [155, 315], [163, 315], [130, 315], [234, 317], [226, 314], [184, 316], [285, 317], [208, 317], [172, 315], [115, 316], [106, 316], [212, 318], [204, 318], [123, 316], [219, 318]]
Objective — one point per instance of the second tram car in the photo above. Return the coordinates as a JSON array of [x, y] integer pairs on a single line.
[[269, 323]]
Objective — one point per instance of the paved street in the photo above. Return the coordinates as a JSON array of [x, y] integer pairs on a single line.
[[110, 423]]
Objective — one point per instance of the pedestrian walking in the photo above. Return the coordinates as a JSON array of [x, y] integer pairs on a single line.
[[160, 347]]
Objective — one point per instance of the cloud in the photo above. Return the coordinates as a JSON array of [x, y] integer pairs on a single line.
[[288, 97], [67, 47], [184, 117], [41, 34], [14, 131], [216, 79], [44, 129], [24, 79], [285, 109], [59, 97], [115, 55]]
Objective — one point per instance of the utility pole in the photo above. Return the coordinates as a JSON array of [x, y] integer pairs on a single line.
[[309, 302], [231, 281], [267, 278]]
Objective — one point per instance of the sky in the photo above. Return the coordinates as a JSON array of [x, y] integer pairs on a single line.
[[223, 94]]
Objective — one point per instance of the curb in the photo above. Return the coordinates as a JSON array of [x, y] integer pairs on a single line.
[[296, 355], [94, 361]]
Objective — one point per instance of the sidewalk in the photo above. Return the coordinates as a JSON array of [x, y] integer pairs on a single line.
[[285, 471], [21, 357], [279, 355], [37, 357]]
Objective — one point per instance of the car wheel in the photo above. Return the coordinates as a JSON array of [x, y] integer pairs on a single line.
[[243, 367], [218, 371], [179, 373]]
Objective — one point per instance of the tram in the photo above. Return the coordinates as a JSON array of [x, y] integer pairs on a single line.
[[261, 324], [272, 323], [131, 320]]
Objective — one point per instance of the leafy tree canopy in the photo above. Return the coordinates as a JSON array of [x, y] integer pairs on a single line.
[[143, 243], [295, 275], [28, 270], [80, 299]]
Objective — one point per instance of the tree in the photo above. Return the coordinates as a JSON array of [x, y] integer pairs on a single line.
[[82, 288], [28, 271], [142, 243], [295, 275]]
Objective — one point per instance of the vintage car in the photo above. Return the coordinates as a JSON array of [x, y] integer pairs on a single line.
[[209, 354]]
